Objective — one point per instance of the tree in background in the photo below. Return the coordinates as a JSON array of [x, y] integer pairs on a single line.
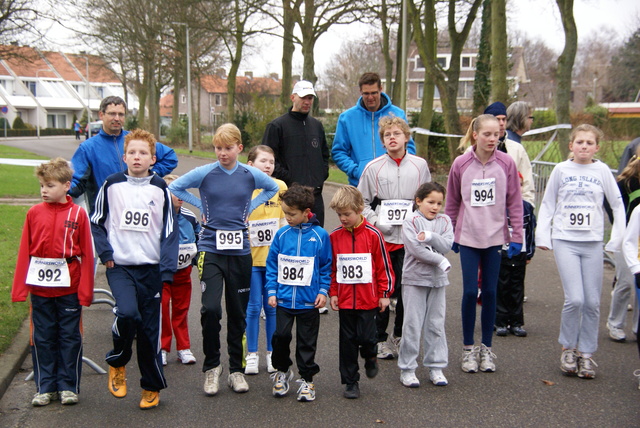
[[482, 80], [564, 72], [624, 83], [499, 66]]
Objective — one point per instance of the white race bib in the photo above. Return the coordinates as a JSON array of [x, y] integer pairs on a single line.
[[261, 232], [483, 192], [354, 268], [186, 254], [394, 211], [578, 216], [295, 270], [48, 272], [229, 239], [135, 219]]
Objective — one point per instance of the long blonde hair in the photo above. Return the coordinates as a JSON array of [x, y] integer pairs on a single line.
[[632, 169], [474, 126]]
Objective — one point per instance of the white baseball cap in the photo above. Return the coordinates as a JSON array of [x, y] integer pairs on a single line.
[[303, 88]]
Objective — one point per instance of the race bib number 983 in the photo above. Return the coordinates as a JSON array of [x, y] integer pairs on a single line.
[[354, 268]]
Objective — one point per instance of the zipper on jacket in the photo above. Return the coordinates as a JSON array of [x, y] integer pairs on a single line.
[[353, 250], [373, 135]]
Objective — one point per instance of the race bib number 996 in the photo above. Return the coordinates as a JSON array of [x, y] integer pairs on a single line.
[[135, 219]]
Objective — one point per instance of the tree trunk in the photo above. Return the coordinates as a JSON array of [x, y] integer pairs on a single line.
[[565, 69], [386, 47], [308, 42], [499, 88], [482, 82], [288, 49], [395, 93]]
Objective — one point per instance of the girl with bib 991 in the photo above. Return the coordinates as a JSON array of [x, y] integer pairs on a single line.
[[483, 184], [571, 222]]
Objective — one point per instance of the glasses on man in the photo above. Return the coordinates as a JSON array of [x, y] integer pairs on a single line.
[[531, 117], [370, 94], [114, 114], [396, 134]]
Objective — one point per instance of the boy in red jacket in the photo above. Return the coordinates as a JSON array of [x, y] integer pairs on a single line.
[[55, 265], [361, 282]]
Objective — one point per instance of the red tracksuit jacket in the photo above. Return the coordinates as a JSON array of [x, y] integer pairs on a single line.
[[56, 231], [364, 238]]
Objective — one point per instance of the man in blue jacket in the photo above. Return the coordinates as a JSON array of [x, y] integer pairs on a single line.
[[357, 141], [102, 155]]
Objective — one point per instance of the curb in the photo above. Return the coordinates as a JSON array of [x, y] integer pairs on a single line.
[[11, 360]]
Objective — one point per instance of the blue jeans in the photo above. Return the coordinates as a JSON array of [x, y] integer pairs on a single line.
[[258, 299], [489, 260]]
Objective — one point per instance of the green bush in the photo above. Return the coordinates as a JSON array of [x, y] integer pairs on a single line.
[[18, 123], [599, 115], [131, 122], [4, 122], [178, 134]]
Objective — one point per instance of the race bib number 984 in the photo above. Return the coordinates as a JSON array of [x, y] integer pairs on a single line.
[[295, 270]]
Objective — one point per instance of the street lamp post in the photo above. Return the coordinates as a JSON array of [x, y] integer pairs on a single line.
[[189, 107]]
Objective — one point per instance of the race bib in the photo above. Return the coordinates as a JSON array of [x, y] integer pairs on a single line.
[[295, 270], [483, 192], [578, 216], [186, 254], [261, 232], [135, 219], [394, 211], [354, 268], [48, 272], [229, 239]]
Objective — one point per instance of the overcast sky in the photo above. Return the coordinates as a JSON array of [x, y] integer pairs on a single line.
[[536, 18]]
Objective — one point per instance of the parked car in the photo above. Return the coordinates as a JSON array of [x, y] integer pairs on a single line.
[[92, 129]]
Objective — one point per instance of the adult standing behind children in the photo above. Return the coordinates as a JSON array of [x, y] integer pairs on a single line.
[[388, 186], [519, 120], [357, 138], [135, 236], [56, 238], [300, 146], [226, 200], [102, 155], [483, 184]]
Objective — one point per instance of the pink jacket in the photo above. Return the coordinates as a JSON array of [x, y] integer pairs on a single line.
[[478, 208]]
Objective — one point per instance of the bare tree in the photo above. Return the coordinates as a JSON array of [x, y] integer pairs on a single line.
[[424, 20], [341, 75], [541, 64], [499, 66], [565, 69], [625, 71]]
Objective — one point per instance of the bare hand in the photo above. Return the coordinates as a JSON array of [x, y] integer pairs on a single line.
[[544, 248], [383, 303], [273, 301], [321, 300], [334, 303], [110, 264]]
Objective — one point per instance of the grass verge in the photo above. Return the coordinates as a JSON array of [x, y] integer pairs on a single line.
[[11, 314]]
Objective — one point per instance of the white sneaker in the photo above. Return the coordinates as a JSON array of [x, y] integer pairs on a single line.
[[616, 334], [212, 380], [186, 356], [486, 359], [252, 359], [270, 368], [586, 368], [384, 351], [569, 361], [470, 360], [164, 357], [44, 399], [281, 383], [306, 391], [437, 377], [237, 382], [323, 310], [409, 379], [68, 397], [394, 345]]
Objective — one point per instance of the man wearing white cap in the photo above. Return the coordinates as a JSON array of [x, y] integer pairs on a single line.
[[300, 146]]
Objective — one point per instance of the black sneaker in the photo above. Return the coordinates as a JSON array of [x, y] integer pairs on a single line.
[[352, 390], [501, 331], [519, 331], [371, 368]]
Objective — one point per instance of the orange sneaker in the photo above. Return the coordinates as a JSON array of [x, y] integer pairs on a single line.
[[118, 381], [150, 399]]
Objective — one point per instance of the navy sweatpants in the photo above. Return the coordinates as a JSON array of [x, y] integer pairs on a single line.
[[138, 294], [56, 343]]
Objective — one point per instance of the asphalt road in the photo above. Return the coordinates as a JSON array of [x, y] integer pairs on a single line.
[[527, 390]]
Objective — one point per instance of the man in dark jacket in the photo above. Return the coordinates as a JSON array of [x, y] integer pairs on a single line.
[[300, 146]]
